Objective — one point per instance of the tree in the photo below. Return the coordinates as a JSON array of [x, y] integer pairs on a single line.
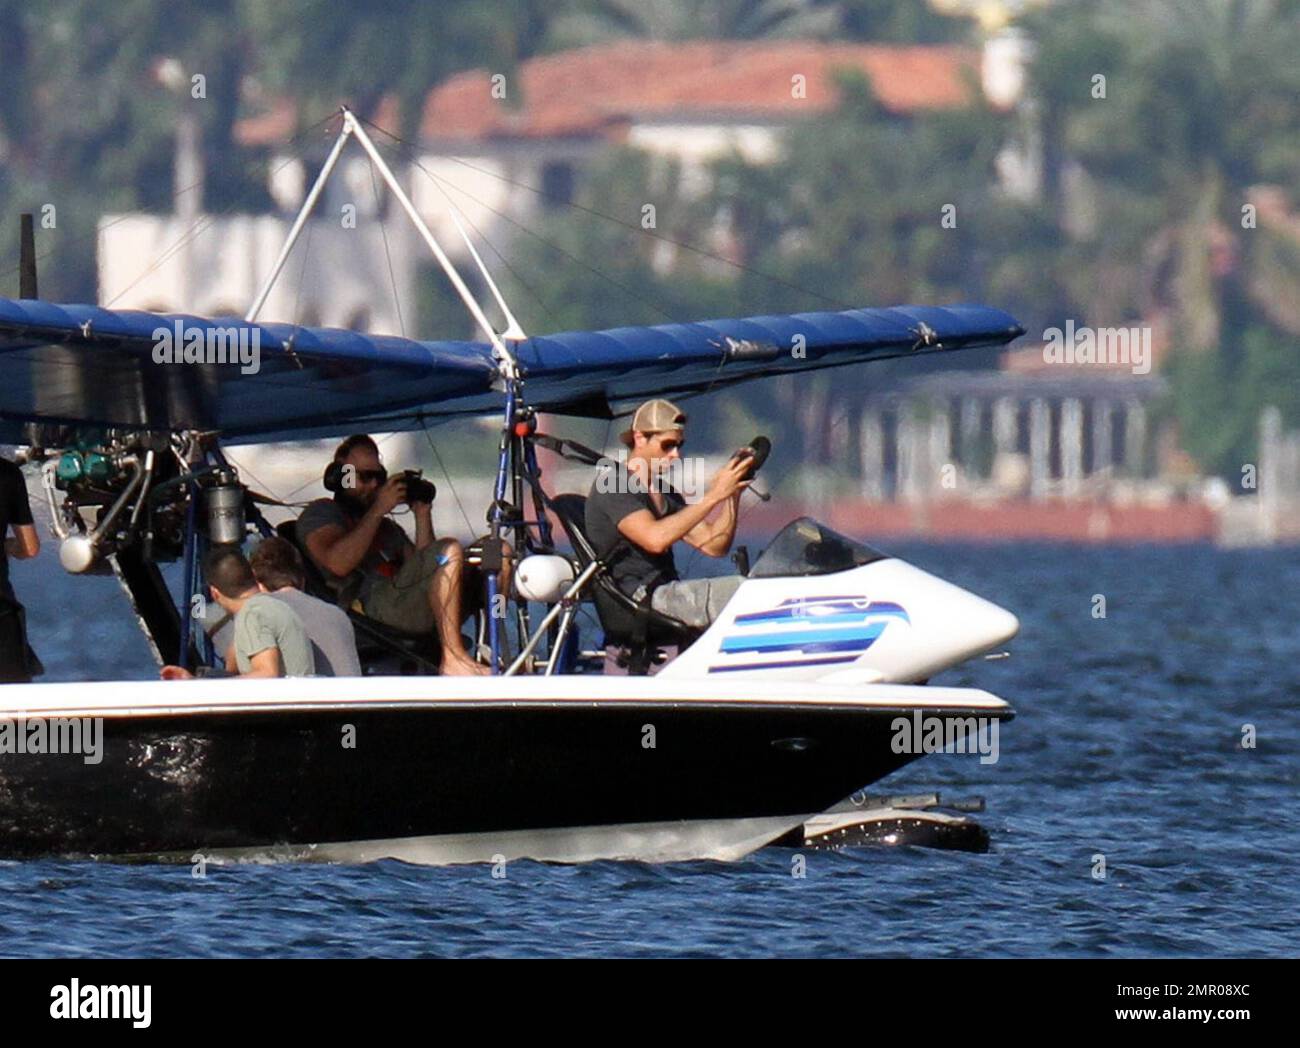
[[97, 134], [315, 53], [1198, 106]]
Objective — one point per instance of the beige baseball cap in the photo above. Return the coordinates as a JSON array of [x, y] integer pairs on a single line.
[[654, 416]]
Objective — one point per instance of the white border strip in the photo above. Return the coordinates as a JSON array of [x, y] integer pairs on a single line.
[[178, 698]]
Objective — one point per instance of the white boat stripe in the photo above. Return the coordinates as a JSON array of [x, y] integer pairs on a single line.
[[156, 698]]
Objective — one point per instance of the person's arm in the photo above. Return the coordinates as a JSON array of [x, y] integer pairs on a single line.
[[232, 664], [656, 536], [424, 536], [714, 537], [23, 543], [266, 663], [339, 550]]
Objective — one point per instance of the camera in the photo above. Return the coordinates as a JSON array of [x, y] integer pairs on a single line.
[[417, 488]]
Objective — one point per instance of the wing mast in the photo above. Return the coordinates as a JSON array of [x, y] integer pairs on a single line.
[[352, 128], [507, 365]]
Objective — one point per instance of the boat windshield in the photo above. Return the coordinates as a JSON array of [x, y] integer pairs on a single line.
[[805, 547]]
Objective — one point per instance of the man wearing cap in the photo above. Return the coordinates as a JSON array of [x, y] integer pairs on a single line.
[[635, 502]]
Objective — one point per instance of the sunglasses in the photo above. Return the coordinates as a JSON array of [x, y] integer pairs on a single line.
[[378, 476], [672, 444]]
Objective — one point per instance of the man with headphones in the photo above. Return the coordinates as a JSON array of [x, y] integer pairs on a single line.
[[365, 556]]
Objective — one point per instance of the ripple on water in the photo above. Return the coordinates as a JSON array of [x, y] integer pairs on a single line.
[[1127, 753]]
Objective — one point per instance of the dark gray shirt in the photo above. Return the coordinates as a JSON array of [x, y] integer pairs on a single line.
[[616, 494], [333, 641], [382, 560], [15, 511]]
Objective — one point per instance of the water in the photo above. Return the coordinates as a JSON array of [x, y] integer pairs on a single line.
[[1127, 746]]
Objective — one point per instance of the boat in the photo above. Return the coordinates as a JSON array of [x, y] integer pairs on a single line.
[[709, 747]]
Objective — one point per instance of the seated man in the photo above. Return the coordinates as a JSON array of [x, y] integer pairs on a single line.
[[277, 564], [269, 639], [367, 557], [638, 504]]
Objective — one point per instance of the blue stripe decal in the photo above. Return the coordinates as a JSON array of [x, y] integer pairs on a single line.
[[823, 610], [797, 606], [807, 640], [838, 618]]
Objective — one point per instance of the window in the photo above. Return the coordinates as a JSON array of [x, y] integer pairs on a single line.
[[557, 184]]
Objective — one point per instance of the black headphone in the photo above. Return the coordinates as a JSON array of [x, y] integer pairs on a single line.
[[333, 477]]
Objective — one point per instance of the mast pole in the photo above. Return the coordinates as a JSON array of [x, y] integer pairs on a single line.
[[507, 365], [505, 358], [514, 330], [26, 257], [303, 213]]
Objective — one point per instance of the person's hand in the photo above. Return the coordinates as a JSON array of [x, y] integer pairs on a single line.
[[175, 673], [730, 479], [391, 495]]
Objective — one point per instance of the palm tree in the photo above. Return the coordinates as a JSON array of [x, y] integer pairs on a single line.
[[316, 52], [1198, 108]]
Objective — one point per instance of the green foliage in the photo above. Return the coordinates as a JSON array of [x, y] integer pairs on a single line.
[[1218, 398], [899, 21], [327, 56], [1140, 210]]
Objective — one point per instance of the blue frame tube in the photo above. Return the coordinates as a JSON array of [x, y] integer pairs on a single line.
[[503, 477], [187, 595], [534, 480]]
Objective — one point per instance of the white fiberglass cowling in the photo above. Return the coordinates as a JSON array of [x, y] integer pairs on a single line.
[[819, 606]]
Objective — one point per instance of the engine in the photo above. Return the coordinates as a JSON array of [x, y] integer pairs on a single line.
[[113, 490]]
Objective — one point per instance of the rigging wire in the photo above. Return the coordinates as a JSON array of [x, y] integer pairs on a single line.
[[408, 152], [204, 222], [99, 229], [451, 487], [302, 279], [383, 230], [633, 227], [288, 500], [402, 325], [263, 487]]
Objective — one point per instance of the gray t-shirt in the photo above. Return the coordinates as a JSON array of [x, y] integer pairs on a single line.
[[382, 560], [264, 622], [616, 494], [333, 641]]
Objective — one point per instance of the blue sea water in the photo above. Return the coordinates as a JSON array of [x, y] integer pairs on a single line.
[[1127, 746]]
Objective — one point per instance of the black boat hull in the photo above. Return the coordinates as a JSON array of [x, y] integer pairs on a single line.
[[487, 778]]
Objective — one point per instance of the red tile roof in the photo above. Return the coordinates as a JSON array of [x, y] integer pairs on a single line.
[[599, 90]]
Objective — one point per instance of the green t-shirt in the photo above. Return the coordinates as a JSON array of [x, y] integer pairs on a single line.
[[264, 622]]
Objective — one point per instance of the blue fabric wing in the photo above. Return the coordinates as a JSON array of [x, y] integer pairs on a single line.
[[84, 365]]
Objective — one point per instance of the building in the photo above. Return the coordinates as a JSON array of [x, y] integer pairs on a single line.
[[503, 151]]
